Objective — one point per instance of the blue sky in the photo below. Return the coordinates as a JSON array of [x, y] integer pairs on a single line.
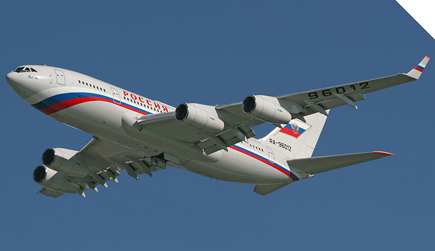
[[217, 53]]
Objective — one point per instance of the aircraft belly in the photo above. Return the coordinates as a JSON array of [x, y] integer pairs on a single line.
[[90, 117]]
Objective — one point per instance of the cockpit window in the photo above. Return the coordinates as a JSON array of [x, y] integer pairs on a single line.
[[25, 69], [19, 69]]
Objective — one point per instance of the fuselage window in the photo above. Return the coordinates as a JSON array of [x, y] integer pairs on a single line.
[[86, 84]]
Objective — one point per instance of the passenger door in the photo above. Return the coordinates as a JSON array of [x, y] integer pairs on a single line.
[[270, 154], [116, 97], [60, 77]]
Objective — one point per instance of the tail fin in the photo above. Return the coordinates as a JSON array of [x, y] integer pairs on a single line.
[[297, 139]]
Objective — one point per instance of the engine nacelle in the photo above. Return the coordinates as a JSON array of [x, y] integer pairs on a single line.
[[266, 109], [202, 117], [64, 161], [54, 180]]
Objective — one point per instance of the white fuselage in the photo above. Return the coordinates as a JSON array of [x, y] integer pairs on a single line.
[[108, 112]]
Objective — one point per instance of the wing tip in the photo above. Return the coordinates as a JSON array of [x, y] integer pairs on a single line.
[[427, 57], [381, 152]]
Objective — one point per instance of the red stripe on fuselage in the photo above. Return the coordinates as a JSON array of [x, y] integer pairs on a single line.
[[75, 101], [262, 160]]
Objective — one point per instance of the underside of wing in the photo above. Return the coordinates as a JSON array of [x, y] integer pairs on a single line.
[[68, 171], [320, 100], [302, 104]]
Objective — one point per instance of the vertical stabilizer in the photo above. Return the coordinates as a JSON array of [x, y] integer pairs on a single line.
[[297, 139]]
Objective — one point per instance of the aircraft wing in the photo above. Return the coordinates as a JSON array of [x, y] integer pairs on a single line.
[[320, 100], [238, 123], [105, 160]]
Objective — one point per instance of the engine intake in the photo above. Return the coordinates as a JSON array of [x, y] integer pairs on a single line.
[[266, 108], [55, 180], [64, 161], [202, 117]]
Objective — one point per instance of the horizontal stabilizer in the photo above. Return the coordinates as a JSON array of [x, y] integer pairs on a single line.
[[323, 164], [267, 189]]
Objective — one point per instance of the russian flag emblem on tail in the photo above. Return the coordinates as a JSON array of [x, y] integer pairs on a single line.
[[295, 129]]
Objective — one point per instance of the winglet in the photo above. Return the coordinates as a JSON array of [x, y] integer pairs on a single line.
[[416, 72]]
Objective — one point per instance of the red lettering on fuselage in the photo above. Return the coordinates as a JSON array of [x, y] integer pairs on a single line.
[[149, 102]]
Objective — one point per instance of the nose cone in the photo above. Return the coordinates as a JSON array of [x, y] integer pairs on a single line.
[[15, 82], [10, 77]]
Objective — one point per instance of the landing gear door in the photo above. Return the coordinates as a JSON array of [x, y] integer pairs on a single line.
[[60, 77], [270, 154], [116, 97]]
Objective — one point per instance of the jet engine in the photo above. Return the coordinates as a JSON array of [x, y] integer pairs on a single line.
[[202, 117], [64, 161], [55, 180], [266, 109]]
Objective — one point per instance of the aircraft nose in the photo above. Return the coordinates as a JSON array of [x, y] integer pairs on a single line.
[[12, 78], [9, 76], [14, 82]]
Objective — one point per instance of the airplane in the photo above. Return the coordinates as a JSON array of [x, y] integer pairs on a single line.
[[141, 135]]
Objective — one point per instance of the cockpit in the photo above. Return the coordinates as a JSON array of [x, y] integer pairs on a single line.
[[25, 69]]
